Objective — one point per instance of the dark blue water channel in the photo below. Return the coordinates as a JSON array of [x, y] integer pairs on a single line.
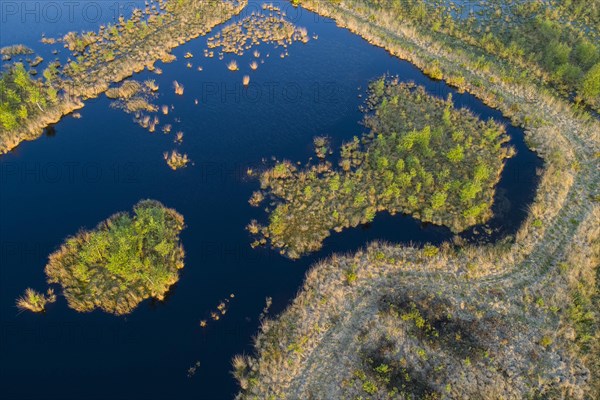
[[87, 169]]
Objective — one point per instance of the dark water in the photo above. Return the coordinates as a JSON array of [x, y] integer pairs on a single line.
[[90, 168]]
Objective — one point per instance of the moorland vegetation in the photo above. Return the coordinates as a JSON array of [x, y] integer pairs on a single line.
[[420, 156]]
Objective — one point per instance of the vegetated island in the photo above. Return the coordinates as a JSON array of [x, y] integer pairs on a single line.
[[125, 260], [421, 157], [514, 319], [101, 58]]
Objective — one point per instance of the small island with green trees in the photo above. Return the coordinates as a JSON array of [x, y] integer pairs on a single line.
[[125, 260], [421, 157]]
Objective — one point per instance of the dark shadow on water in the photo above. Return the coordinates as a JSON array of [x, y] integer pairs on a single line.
[[50, 131]]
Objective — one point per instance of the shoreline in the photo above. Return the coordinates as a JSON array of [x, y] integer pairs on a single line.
[[97, 78], [314, 346]]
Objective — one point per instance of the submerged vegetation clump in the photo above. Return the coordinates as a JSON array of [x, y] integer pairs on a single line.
[[34, 301], [125, 260], [421, 157]]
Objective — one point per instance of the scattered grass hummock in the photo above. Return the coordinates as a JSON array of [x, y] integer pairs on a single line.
[[133, 97], [232, 65], [34, 301], [178, 88], [255, 29], [176, 160], [125, 260], [421, 157]]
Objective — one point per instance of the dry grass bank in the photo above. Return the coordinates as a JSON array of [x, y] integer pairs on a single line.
[[515, 319]]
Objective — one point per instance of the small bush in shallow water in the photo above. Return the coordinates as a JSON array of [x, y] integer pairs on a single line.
[[125, 260]]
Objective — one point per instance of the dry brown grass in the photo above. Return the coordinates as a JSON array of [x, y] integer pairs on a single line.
[[513, 298], [178, 88], [233, 66]]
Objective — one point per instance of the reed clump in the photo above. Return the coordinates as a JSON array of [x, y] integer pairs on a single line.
[[421, 157], [8, 52], [133, 97], [125, 260], [176, 160], [179, 137], [178, 88], [35, 301], [257, 28], [233, 66]]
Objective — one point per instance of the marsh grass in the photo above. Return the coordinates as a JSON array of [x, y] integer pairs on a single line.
[[179, 137], [178, 88], [34, 301], [15, 50], [176, 160], [232, 65], [107, 56], [126, 90], [421, 157], [133, 97], [271, 28], [151, 84]]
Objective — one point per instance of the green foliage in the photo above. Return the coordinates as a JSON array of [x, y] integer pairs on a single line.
[[123, 261], [427, 158], [21, 97], [590, 86]]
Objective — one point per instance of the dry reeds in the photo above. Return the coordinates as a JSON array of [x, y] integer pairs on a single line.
[[34, 301], [125, 91], [232, 65], [151, 84], [176, 160], [178, 88]]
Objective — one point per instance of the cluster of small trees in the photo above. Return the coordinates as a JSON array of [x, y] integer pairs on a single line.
[[421, 157], [123, 261], [21, 96]]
